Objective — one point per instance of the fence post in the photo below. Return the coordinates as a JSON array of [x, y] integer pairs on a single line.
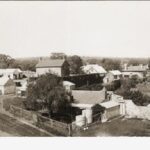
[[21, 112], [70, 129]]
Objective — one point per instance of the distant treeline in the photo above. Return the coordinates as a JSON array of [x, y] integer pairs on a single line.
[[115, 63], [75, 62]]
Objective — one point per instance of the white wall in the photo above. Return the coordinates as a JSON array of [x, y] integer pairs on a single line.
[[2, 89], [55, 70]]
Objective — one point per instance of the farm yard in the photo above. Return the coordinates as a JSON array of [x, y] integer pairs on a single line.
[[118, 127]]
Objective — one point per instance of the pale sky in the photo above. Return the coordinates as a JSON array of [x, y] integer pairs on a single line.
[[116, 29]]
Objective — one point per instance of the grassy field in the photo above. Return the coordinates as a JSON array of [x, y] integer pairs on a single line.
[[118, 127]]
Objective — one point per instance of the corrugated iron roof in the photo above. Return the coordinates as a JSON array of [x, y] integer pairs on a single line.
[[109, 104], [137, 68], [3, 80], [88, 97], [50, 63], [10, 70], [115, 72], [93, 68], [68, 83]]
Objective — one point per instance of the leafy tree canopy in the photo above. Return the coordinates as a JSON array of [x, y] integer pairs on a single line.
[[6, 61], [25, 64], [58, 56], [75, 64], [49, 91]]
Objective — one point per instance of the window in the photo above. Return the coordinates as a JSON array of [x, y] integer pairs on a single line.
[[115, 76]]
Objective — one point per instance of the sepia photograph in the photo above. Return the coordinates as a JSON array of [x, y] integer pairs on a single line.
[[74, 69]]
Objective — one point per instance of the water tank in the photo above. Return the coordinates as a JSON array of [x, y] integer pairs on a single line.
[[80, 120], [84, 113], [88, 115]]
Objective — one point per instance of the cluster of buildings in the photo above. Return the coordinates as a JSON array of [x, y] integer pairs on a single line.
[[85, 100], [60, 67], [140, 71], [14, 81]]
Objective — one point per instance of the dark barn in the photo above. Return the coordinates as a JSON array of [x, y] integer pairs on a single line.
[[85, 79]]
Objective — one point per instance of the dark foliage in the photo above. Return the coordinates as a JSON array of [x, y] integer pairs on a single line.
[[81, 80], [92, 87], [98, 110], [138, 97], [75, 63], [6, 61], [58, 56], [25, 64], [48, 93], [114, 85]]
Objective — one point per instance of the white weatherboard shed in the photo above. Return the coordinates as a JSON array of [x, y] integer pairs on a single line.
[[68, 85], [7, 86], [112, 76], [112, 109], [85, 100]]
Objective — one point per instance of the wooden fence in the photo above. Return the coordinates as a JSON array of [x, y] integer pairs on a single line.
[[24, 114], [51, 125]]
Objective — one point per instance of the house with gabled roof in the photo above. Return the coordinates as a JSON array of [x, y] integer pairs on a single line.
[[93, 69], [112, 76], [13, 73], [135, 68], [59, 67], [139, 71]]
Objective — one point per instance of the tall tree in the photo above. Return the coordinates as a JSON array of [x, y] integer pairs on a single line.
[[26, 64], [75, 64], [58, 56], [6, 61], [111, 64], [48, 89]]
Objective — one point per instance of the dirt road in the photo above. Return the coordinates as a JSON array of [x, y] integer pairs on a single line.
[[12, 127]]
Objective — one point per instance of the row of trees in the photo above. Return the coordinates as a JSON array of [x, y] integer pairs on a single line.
[[6, 61], [75, 62], [24, 64], [107, 63]]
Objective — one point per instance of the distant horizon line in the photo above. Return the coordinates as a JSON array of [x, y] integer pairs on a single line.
[[86, 56]]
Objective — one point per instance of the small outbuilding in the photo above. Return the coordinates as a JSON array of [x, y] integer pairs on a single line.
[[112, 110], [112, 76], [69, 86], [85, 101], [7, 86]]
